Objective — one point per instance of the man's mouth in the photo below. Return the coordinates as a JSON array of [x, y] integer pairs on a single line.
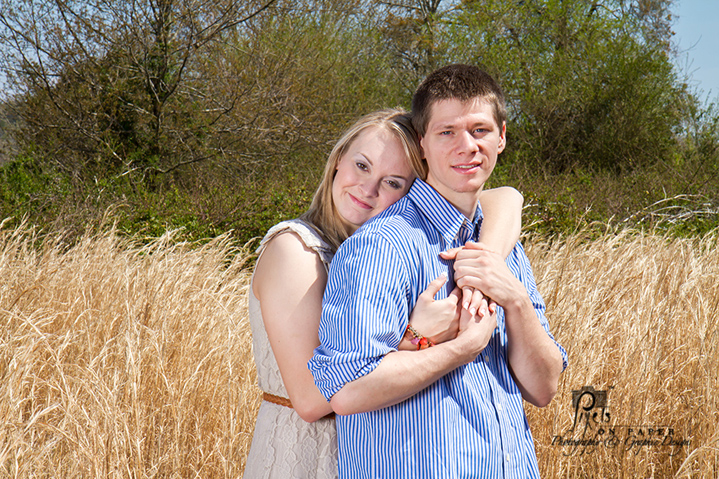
[[466, 167]]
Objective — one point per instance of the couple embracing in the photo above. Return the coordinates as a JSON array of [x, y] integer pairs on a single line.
[[403, 347]]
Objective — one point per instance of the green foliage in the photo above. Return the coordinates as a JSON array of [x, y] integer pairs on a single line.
[[306, 77], [656, 197], [145, 118], [29, 189]]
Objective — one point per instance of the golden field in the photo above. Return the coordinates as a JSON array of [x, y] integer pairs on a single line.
[[122, 359]]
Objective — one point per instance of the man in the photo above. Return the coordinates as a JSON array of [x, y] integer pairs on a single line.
[[453, 410]]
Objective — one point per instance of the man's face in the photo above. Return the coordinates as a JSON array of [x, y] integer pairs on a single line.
[[461, 145]]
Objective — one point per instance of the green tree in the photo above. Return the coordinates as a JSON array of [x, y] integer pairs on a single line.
[[413, 32], [112, 85], [307, 72]]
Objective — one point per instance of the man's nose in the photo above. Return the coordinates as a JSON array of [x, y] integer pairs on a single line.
[[467, 142]]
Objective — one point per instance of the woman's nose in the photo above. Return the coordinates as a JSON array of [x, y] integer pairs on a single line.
[[370, 188]]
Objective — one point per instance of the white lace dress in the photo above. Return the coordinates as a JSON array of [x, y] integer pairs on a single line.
[[284, 446]]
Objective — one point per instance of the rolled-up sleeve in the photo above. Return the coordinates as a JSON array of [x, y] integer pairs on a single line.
[[519, 264], [364, 312]]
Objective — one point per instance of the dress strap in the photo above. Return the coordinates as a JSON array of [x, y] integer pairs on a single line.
[[307, 233]]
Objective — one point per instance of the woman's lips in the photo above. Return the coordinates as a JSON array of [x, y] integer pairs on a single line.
[[359, 202]]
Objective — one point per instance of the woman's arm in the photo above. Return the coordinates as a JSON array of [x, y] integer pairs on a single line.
[[502, 224], [402, 374], [289, 281]]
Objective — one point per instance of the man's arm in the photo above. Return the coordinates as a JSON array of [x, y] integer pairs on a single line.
[[535, 360], [501, 227]]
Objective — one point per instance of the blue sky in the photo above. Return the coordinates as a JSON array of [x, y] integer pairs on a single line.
[[696, 24]]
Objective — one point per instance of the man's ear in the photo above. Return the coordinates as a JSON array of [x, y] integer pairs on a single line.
[[421, 147], [502, 138]]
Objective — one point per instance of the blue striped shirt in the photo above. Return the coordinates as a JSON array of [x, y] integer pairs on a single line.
[[470, 423]]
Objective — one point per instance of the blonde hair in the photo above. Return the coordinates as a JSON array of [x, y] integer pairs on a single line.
[[323, 214]]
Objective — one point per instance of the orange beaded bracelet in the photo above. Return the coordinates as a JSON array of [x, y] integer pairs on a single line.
[[417, 339]]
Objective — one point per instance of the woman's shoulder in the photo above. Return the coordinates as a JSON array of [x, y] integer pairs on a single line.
[[285, 263], [304, 233]]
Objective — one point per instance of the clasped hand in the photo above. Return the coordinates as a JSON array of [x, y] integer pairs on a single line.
[[477, 273]]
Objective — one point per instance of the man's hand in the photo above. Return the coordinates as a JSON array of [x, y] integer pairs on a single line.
[[534, 359], [479, 268], [473, 300]]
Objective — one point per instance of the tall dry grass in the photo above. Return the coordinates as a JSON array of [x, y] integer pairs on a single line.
[[638, 316], [119, 360], [122, 360]]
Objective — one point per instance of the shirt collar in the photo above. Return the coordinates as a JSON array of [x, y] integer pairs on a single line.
[[441, 213]]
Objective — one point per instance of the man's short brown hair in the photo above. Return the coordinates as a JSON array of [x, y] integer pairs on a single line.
[[456, 82]]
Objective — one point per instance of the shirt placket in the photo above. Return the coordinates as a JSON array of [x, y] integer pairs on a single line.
[[507, 431], [463, 235]]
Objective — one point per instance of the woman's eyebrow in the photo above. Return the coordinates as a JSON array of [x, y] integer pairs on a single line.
[[399, 177], [366, 158]]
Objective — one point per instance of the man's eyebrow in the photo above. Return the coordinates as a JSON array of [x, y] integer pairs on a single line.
[[444, 126]]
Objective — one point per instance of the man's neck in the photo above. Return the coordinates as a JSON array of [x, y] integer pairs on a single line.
[[465, 202]]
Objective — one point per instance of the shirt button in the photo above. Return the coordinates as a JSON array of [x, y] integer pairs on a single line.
[[499, 407], [507, 457], [486, 358]]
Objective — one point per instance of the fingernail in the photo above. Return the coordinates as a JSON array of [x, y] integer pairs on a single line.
[[473, 311], [466, 305], [444, 273]]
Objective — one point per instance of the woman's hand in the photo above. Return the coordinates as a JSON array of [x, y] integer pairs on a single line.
[[436, 320], [475, 332]]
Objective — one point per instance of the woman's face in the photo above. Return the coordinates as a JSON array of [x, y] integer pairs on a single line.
[[373, 173]]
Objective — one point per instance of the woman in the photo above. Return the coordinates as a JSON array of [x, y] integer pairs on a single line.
[[371, 167]]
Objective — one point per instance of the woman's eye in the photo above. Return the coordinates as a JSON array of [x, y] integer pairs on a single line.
[[361, 166], [394, 185]]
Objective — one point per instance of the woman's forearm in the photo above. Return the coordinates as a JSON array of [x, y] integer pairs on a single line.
[[502, 223]]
